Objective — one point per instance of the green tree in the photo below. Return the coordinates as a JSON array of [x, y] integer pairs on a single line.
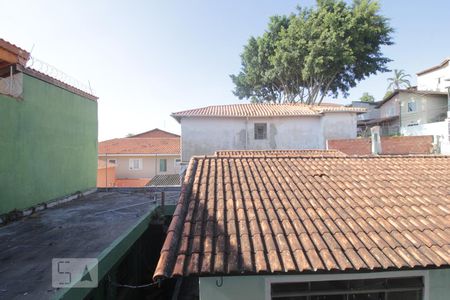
[[129, 135], [317, 52], [399, 80], [366, 97]]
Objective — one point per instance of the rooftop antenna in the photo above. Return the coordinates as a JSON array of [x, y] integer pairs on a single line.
[[90, 86]]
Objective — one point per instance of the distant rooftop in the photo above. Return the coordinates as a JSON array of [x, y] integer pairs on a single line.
[[264, 110], [138, 145], [436, 67], [155, 133]]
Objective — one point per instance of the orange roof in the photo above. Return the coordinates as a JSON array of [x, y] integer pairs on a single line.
[[131, 182], [262, 215], [155, 133], [12, 54], [294, 153], [264, 110], [140, 146]]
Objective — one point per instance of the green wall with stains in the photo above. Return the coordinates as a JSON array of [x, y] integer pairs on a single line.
[[48, 145]]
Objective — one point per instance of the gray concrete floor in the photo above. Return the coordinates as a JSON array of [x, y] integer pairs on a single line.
[[81, 228]]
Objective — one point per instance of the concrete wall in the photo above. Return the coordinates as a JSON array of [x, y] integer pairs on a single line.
[[204, 136], [48, 145], [150, 166], [440, 130], [435, 80], [257, 287], [429, 108], [390, 108], [339, 126], [395, 145]]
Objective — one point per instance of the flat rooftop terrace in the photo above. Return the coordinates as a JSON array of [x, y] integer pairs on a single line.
[[100, 225]]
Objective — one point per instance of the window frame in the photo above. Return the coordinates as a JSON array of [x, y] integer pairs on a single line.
[[131, 164], [165, 165], [354, 276], [412, 101], [256, 132]]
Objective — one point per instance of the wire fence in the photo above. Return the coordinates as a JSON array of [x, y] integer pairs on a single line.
[[50, 70]]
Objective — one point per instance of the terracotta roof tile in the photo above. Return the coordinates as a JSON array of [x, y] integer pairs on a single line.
[[264, 214], [140, 146], [264, 110]]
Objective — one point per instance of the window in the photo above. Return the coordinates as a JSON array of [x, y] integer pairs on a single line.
[[260, 131], [135, 164], [163, 165], [410, 288], [112, 161], [411, 106]]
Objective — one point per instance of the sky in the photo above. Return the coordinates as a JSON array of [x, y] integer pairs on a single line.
[[148, 59]]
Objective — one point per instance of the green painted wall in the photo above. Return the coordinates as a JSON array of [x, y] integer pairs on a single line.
[[439, 284], [253, 287], [48, 145]]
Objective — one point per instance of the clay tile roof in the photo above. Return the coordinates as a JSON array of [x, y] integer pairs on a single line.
[[165, 180], [12, 54], [263, 215], [140, 146], [155, 133], [294, 153], [264, 110]]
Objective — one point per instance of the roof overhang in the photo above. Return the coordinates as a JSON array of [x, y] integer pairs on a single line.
[[11, 54], [434, 68], [138, 154]]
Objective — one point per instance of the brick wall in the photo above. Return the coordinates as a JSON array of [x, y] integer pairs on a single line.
[[389, 145]]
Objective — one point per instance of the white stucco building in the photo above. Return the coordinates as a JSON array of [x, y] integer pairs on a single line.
[[263, 127], [436, 78]]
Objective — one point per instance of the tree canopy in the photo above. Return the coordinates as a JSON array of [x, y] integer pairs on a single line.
[[316, 52], [366, 97]]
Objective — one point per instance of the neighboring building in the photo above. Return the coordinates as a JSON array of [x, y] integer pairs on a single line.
[[436, 78], [410, 107], [302, 227], [141, 157], [263, 127], [48, 136]]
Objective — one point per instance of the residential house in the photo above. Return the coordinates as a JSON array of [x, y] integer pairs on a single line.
[[299, 227], [263, 127], [48, 136], [410, 107], [141, 157], [436, 78]]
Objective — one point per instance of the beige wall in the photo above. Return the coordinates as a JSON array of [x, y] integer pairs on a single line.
[[390, 108], [429, 108], [149, 169]]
